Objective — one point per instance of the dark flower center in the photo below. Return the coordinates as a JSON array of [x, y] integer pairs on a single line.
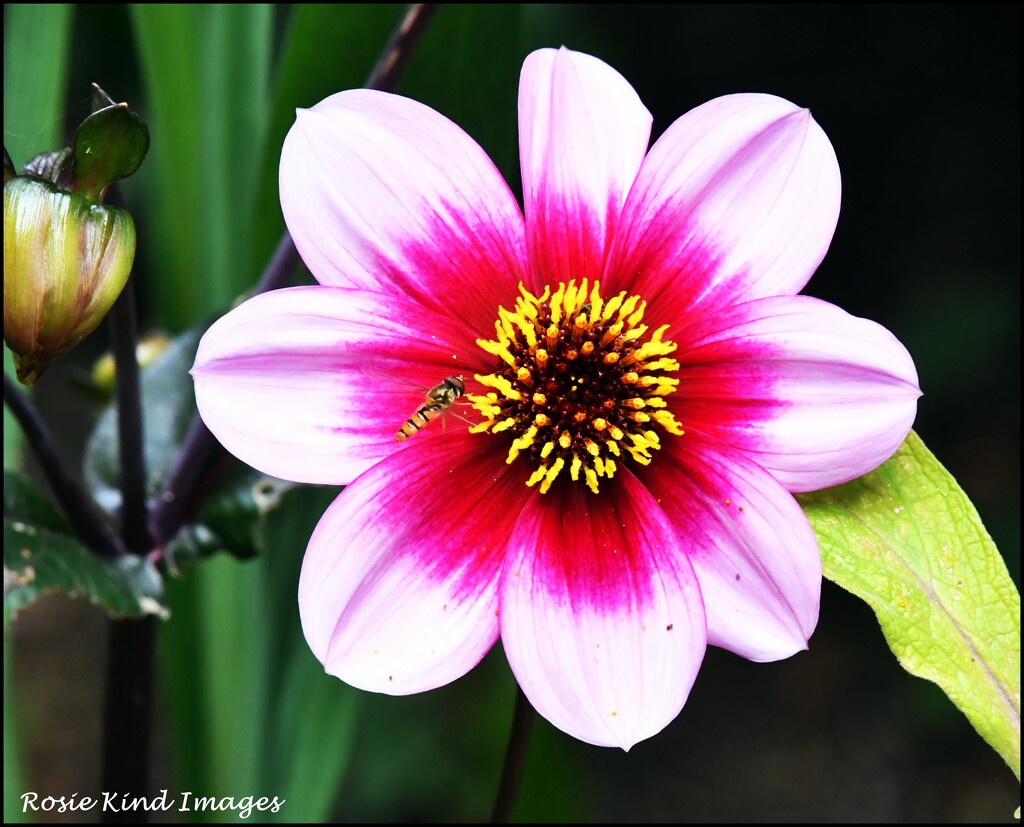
[[580, 383]]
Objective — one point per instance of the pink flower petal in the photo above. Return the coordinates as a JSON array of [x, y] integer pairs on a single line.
[[814, 395], [737, 200], [311, 384], [751, 546], [583, 133], [399, 586], [602, 618], [382, 192]]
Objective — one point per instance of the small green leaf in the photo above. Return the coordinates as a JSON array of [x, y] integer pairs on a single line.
[[168, 405], [109, 145], [25, 503], [40, 557], [230, 517], [906, 540]]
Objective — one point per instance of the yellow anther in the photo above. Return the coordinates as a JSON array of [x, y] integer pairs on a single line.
[[574, 467], [613, 448], [611, 334], [637, 316], [596, 303], [521, 442], [501, 384], [564, 441], [542, 420], [537, 476], [504, 425], [539, 399], [499, 349], [549, 478], [636, 403], [551, 336], [631, 378], [615, 433], [530, 332], [592, 447], [610, 358], [480, 427], [599, 466], [545, 452], [628, 306], [556, 305], [668, 422], [591, 479], [662, 364], [523, 375], [542, 358], [612, 306], [634, 333], [610, 468], [599, 424], [569, 300], [587, 348]]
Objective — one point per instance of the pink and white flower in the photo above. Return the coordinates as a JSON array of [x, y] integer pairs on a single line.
[[646, 388]]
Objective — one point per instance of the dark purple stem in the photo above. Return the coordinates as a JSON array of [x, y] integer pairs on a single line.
[[134, 510], [515, 760], [129, 703], [78, 507], [128, 716]]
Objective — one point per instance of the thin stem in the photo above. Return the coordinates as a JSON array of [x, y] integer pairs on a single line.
[[201, 450], [399, 48], [128, 717], [515, 760], [134, 511], [79, 509]]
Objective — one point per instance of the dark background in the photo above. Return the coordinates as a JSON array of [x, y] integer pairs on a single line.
[[922, 104]]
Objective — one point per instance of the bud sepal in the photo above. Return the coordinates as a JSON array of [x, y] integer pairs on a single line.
[[66, 260]]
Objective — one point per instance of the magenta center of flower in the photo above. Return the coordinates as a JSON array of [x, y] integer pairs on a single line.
[[580, 383]]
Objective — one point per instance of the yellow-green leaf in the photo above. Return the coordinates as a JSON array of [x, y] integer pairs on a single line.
[[906, 540]]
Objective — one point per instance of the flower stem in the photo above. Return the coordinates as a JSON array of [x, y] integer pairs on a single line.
[[128, 707], [398, 49], [78, 508], [200, 449], [134, 511], [515, 760], [128, 716]]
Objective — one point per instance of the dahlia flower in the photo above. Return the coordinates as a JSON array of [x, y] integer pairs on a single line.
[[643, 390]]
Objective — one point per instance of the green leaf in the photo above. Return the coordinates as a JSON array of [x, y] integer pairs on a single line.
[[230, 517], [168, 405], [36, 54], [207, 72], [906, 540], [24, 502], [39, 557]]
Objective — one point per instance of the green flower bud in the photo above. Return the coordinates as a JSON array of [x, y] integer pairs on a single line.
[[66, 260]]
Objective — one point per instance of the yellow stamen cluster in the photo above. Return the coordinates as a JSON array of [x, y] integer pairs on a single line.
[[580, 383]]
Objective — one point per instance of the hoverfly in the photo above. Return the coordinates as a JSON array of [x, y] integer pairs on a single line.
[[438, 399]]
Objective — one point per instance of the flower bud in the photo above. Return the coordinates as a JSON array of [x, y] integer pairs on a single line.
[[66, 259]]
